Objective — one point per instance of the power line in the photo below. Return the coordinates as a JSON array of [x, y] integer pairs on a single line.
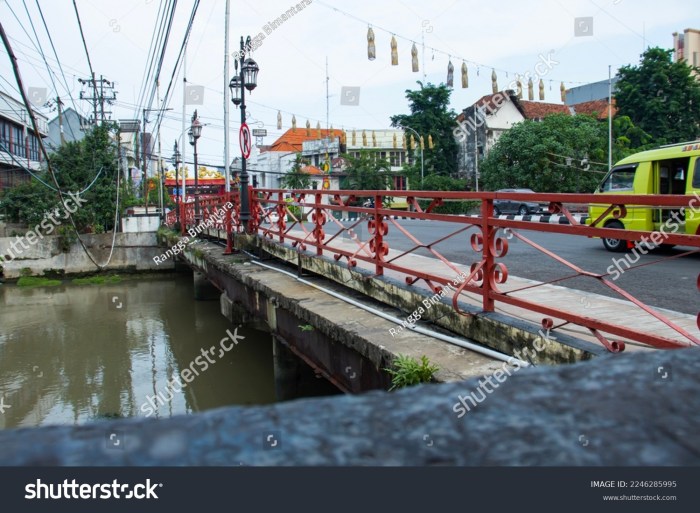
[[58, 61], [87, 54], [169, 91]]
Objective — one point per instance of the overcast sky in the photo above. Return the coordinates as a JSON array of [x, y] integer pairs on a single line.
[[510, 36]]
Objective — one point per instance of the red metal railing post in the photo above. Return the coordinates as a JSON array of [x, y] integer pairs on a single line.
[[319, 219], [281, 215], [254, 221], [489, 235], [380, 248]]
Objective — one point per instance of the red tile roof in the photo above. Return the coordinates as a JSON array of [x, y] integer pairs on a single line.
[[293, 138], [311, 170], [597, 108], [539, 110]]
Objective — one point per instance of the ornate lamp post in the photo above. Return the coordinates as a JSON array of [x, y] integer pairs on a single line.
[[195, 133], [246, 79]]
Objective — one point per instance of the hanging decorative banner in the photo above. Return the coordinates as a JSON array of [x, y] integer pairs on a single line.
[[279, 120], [519, 87], [364, 138], [430, 142], [374, 139], [422, 143], [413, 142], [465, 76], [414, 58], [403, 142], [394, 52], [371, 48], [308, 128], [450, 75], [343, 138], [354, 138], [395, 142], [541, 90], [318, 129], [494, 81], [294, 122], [562, 88], [530, 90]]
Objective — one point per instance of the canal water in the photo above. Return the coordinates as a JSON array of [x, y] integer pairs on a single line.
[[77, 353]]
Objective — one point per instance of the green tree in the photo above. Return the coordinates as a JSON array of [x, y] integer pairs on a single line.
[[89, 165], [431, 115], [295, 178], [366, 172], [548, 156], [661, 97]]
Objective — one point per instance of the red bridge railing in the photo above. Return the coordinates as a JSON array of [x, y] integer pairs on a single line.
[[308, 220]]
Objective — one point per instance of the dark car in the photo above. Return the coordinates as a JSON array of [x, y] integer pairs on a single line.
[[523, 208]]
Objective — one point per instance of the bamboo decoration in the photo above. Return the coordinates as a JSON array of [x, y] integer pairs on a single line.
[[450, 74], [562, 88], [394, 52], [530, 90], [294, 123], [465, 75], [541, 90], [494, 81], [414, 58], [371, 48]]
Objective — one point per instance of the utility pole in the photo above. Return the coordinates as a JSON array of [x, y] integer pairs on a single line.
[[476, 152], [59, 104], [144, 164], [227, 158], [96, 99]]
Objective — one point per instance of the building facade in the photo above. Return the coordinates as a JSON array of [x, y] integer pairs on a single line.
[[19, 143], [686, 46]]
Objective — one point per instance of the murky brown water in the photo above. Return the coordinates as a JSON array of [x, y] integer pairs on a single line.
[[71, 354]]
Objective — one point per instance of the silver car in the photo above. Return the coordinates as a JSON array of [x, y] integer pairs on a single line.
[[511, 206]]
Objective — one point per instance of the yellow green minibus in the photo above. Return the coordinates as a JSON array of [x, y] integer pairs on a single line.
[[673, 169]]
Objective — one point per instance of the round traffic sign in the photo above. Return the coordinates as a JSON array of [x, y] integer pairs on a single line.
[[245, 140]]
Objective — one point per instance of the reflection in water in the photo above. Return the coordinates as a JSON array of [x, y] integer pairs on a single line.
[[72, 354]]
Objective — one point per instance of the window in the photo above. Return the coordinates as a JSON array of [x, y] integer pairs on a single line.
[[34, 148], [399, 183], [696, 175], [620, 179], [4, 136], [17, 146]]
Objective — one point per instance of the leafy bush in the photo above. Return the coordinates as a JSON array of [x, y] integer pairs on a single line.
[[452, 207], [408, 371]]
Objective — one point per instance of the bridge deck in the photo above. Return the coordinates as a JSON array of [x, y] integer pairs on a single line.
[[617, 310]]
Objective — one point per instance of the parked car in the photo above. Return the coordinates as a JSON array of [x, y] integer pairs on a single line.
[[523, 208]]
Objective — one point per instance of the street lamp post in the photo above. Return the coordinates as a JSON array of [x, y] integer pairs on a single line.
[[194, 133], [421, 151], [246, 79], [176, 162]]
